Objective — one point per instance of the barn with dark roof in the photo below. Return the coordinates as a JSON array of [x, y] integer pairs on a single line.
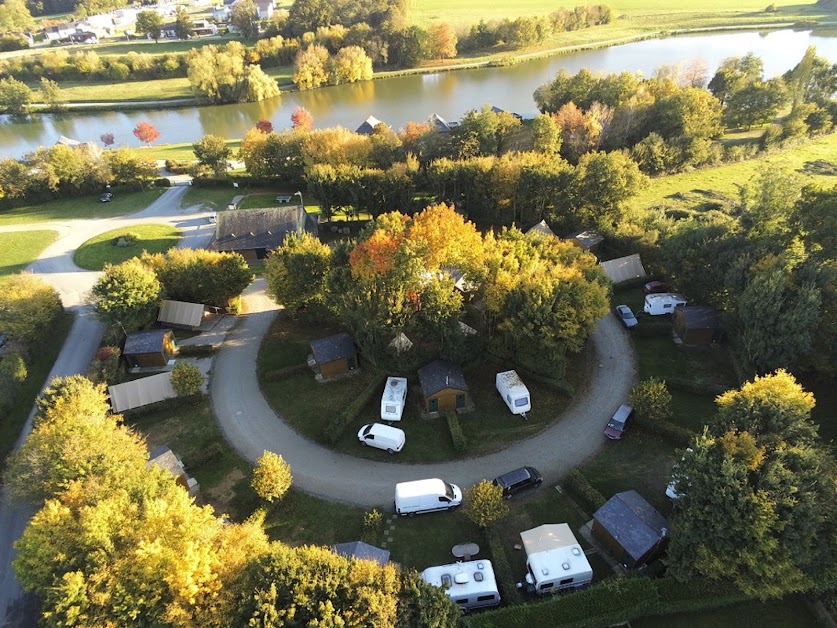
[[443, 387], [333, 355], [630, 528], [256, 232]]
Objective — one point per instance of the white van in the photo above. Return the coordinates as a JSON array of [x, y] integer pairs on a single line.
[[664, 303], [470, 584], [420, 496], [514, 392], [393, 399], [383, 437]]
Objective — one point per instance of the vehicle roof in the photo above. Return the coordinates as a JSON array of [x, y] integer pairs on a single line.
[[665, 297], [394, 388], [512, 477], [512, 381], [433, 575], [419, 487], [621, 415], [379, 429]]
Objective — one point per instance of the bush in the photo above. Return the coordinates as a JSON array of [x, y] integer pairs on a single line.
[[187, 379], [9, 43], [205, 455], [373, 525], [502, 570], [651, 399], [457, 436], [582, 490], [272, 477], [105, 365], [125, 240], [338, 425]]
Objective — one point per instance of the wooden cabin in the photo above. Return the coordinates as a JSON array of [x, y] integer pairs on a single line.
[[333, 355], [152, 348], [443, 387]]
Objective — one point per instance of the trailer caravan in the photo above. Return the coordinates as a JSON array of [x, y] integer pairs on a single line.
[[470, 584], [514, 392], [393, 399], [554, 559], [412, 498], [663, 303]]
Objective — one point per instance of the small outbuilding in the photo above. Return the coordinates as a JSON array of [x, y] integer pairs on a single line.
[[587, 239], [368, 126], [443, 387], [165, 458], [181, 314], [697, 324], [256, 232], [541, 229], [141, 392], [361, 550], [624, 268], [152, 348], [631, 529], [333, 355]]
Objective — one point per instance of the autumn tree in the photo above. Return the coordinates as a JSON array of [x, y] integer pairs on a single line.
[[150, 24], [15, 17], [442, 40], [265, 126], [127, 294], [213, 152], [52, 96], [130, 165], [651, 399], [484, 132], [603, 182], [271, 477], [187, 379], [349, 65], [28, 307], [302, 119], [311, 67], [484, 504], [146, 133], [245, 18], [296, 272], [546, 134], [183, 24], [107, 139], [220, 74], [15, 97]]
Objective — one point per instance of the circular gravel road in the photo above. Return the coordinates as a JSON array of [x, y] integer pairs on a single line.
[[252, 427]]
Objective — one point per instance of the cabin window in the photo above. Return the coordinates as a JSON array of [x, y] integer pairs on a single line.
[[523, 401], [486, 598], [390, 409], [565, 581]]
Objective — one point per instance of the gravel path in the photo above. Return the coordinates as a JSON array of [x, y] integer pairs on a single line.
[[252, 426]]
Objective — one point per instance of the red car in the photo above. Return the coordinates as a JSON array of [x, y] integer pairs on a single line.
[[619, 422], [653, 287]]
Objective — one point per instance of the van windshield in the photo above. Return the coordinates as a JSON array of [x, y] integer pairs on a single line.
[[523, 401], [449, 491]]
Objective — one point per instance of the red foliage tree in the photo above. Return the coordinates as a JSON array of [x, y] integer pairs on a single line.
[[265, 126], [107, 139], [302, 119], [146, 132]]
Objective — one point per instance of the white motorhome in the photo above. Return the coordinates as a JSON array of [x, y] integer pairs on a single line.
[[393, 399], [381, 436], [554, 559], [662, 303], [514, 392], [412, 498], [470, 584]]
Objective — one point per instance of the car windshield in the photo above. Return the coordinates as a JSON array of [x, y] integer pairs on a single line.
[[616, 424], [367, 429], [449, 491]]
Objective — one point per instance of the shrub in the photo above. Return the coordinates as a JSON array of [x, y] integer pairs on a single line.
[[484, 504], [373, 525], [272, 477], [651, 399], [502, 570], [338, 425], [581, 489], [205, 455], [125, 240], [187, 379], [105, 365], [457, 436]]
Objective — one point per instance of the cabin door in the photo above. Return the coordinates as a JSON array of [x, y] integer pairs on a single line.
[[460, 402], [433, 405]]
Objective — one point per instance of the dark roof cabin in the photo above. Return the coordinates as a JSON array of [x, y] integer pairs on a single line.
[[443, 386], [333, 355], [368, 126], [364, 551], [541, 229], [587, 240], [697, 324], [630, 528], [152, 348], [255, 232]]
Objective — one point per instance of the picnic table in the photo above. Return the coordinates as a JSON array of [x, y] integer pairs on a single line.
[[283, 198], [464, 551]]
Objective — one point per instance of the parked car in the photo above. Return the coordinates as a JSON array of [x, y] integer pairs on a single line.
[[382, 436], [626, 316], [106, 197], [619, 422], [652, 287], [420, 496], [518, 480]]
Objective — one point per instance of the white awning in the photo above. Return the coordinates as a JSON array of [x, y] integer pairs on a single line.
[[181, 313], [141, 392], [624, 268]]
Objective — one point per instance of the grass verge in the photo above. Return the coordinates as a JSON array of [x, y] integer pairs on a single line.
[[20, 248], [102, 249], [81, 207]]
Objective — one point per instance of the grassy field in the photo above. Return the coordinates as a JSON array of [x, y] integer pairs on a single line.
[[82, 207], [790, 612], [218, 198], [20, 248], [101, 250], [183, 151]]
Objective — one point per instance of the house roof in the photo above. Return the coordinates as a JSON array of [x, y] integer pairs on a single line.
[[439, 123], [633, 522], [150, 341], [368, 125], [541, 228], [164, 458], [700, 316], [333, 348], [400, 343], [624, 268], [587, 238], [181, 313], [441, 374], [359, 549], [265, 228], [141, 392]]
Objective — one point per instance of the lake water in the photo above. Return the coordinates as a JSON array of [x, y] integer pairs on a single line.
[[401, 99]]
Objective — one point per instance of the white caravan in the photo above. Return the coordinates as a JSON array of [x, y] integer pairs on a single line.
[[393, 399], [514, 392], [664, 303], [554, 559], [470, 584], [420, 496], [383, 437]]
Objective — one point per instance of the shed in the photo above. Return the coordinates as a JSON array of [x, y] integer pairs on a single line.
[[541, 229], [255, 232], [154, 347], [181, 314], [587, 239], [361, 550], [697, 324], [439, 124], [141, 392], [333, 355], [630, 528], [165, 458], [443, 386], [368, 125], [624, 268]]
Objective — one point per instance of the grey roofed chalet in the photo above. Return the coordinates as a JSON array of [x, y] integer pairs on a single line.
[[150, 341], [701, 317], [265, 228], [359, 549], [164, 458], [368, 125], [633, 522], [587, 238], [541, 229], [333, 348], [441, 374]]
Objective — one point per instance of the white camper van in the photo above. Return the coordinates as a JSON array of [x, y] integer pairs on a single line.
[[470, 584], [393, 399], [554, 559], [514, 392], [664, 303], [412, 498], [383, 437]]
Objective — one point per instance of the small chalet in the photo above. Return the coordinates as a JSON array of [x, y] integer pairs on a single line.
[[362, 551], [441, 125], [631, 529], [587, 240], [165, 458], [368, 125], [443, 386], [152, 348], [255, 232], [541, 229], [333, 355], [496, 109], [624, 268], [697, 324]]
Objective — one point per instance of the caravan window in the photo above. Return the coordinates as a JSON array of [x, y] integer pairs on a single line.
[[565, 581], [523, 401], [508, 398], [462, 601], [390, 409], [486, 598], [548, 585]]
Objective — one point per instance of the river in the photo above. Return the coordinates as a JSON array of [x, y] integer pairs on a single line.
[[398, 100]]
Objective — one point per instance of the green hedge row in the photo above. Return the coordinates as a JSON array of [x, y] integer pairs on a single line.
[[340, 423], [560, 385], [675, 434], [502, 570], [457, 436], [577, 484]]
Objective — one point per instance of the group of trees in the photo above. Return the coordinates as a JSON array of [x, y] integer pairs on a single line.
[[222, 74], [315, 66], [116, 542], [542, 296]]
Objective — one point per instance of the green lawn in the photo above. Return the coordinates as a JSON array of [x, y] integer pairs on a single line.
[[790, 612], [101, 250], [82, 207], [426, 540], [183, 151], [155, 89], [301, 519], [18, 249]]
